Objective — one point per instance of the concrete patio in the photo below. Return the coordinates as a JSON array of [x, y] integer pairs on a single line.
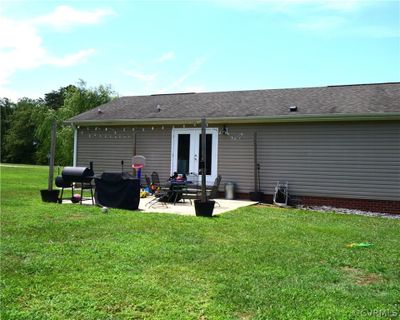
[[187, 209], [183, 208]]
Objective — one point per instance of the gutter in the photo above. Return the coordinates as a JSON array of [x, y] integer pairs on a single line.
[[395, 116]]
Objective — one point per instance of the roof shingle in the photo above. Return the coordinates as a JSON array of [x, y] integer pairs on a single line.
[[332, 100]]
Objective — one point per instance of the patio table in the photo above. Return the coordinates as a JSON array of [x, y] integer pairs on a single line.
[[177, 188]]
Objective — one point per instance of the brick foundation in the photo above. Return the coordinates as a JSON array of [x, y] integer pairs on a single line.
[[359, 204]]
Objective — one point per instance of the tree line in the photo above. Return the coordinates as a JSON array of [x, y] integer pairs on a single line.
[[26, 124]]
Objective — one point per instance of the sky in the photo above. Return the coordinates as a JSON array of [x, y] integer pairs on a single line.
[[149, 47]]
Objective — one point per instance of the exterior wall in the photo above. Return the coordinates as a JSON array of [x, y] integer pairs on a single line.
[[327, 160], [155, 145], [236, 158], [107, 148], [340, 160]]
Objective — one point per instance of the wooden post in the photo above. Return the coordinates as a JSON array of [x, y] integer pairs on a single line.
[[134, 151], [203, 160], [134, 144], [255, 163], [52, 154]]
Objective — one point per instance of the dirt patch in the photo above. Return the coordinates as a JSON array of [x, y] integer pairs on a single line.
[[361, 278], [245, 316], [76, 217]]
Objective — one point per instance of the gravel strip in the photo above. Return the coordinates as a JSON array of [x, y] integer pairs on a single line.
[[349, 211]]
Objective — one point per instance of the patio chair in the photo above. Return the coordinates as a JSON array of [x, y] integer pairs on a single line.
[[157, 189], [155, 179], [148, 182], [192, 193], [160, 196], [212, 192], [189, 192]]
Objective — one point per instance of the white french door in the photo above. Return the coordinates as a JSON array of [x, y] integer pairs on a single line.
[[186, 152]]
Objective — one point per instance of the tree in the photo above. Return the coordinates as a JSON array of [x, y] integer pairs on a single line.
[[55, 99], [19, 140], [26, 126], [77, 99], [43, 117], [7, 109]]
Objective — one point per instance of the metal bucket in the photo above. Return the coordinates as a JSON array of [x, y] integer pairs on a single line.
[[230, 190]]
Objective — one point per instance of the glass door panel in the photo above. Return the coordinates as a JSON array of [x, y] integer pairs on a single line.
[[183, 153], [208, 153]]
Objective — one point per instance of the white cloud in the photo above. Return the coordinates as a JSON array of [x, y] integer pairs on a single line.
[[151, 82], [344, 26], [165, 57], [71, 59], [22, 48], [196, 88], [290, 5], [193, 69], [321, 23], [344, 5], [65, 17], [376, 32], [144, 77], [10, 94]]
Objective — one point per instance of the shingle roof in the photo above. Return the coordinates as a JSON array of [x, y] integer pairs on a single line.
[[362, 99]]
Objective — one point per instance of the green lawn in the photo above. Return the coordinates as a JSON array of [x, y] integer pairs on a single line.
[[74, 262]]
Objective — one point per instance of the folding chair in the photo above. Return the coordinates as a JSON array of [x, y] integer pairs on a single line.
[[160, 196], [212, 192], [281, 194], [155, 179]]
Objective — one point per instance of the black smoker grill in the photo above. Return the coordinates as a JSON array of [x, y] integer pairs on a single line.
[[118, 190], [74, 177]]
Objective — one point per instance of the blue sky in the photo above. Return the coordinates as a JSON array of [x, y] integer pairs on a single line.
[[145, 47]]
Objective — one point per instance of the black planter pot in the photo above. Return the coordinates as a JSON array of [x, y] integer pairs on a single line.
[[256, 196], [204, 209], [49, 195]]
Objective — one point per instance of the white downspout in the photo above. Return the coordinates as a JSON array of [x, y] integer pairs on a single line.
[[75, 144]]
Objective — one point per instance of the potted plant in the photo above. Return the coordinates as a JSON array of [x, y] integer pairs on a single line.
[[203, 207], [50, 195]]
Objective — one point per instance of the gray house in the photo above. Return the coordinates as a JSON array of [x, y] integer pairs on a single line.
[[335, 145]]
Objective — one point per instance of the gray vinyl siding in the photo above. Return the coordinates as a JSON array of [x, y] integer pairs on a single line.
[[344, 160], [155, 145], [107, 148], [236, 158]]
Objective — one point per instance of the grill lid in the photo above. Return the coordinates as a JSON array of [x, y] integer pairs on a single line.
[[77, 174]]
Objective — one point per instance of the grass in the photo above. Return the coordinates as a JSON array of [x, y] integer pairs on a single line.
[[74, 262]]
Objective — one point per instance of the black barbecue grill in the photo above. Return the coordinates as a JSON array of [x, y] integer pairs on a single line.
[[76, 177]]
